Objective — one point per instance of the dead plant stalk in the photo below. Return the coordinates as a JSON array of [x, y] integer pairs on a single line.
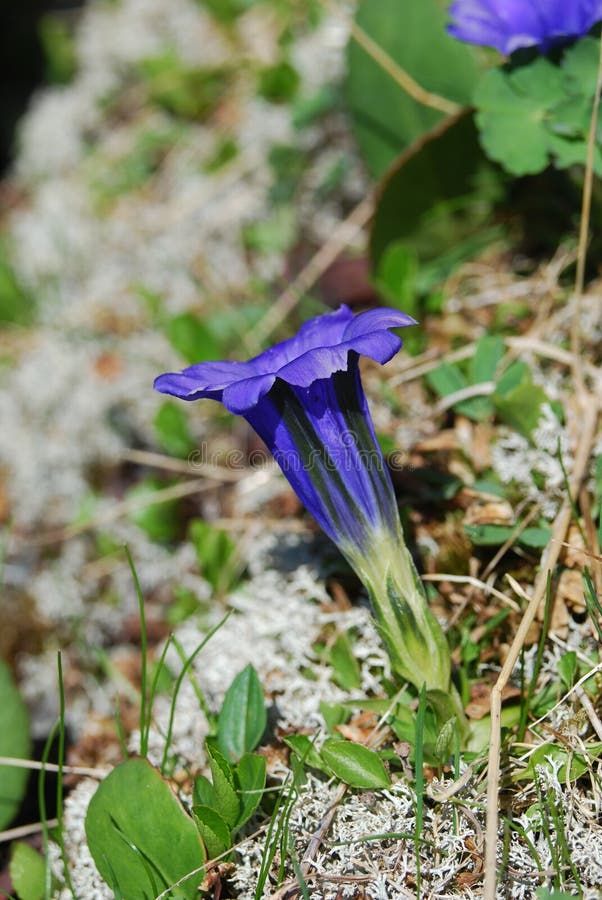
[[549, 560]]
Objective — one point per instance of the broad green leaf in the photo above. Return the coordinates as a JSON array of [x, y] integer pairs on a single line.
[[567, 764], [488, 355], [517, 373], [203, 792], [385, 118], [446, 379], [488, 535], [226, 798], [567, 668], [160, 521], [249, 777], [354, 764], [216, 554], [437, 199], [496, 535], [580, 66], [14, 741], [172, 430], [536, 538], [140, 837], [521, 407], [304, 748], [192, 338], [334, 714], [396, 277], [27, 872], [275, 233], [346, 670], [214, 830], [243, 718], [549, 106], [516, 104]]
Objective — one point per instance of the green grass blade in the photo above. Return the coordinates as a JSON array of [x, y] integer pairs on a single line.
[[42, 807], [419, 768], [144, 712], [526, 703], [59, 778], [151, 696], [178, 684]]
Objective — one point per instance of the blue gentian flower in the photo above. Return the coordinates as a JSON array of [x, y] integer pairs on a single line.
[[304, 398], [509, 25]]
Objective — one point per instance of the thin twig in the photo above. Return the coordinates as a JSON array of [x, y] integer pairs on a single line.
[[393, 69], [38, 766], [15, 834], [483, 389], [549, 560], [343, 235], [510, 541], [588, 706], [119, 510], [477, 583], [194, 465]]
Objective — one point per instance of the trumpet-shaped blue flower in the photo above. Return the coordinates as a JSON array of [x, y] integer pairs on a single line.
[[304, 397], [509, 25]]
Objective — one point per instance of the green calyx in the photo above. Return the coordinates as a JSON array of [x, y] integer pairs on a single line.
[[414, 639]]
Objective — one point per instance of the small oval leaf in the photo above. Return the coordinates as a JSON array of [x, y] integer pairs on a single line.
[[27, 872], [242, 719], [213, 829], [250, 778], [227, 802], [356, 765]]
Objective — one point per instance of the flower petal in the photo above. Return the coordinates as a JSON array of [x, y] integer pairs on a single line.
[[321, 331], [509, 25], [245, 394], [206, 379], [377, 320]]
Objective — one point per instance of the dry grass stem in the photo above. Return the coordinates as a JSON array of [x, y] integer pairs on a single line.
[[38, 766], [392, 68], [592, 715], [549, 560], [16, 834], [119, 510], [186, 467], [343, 235], [477, 583], [490, 567], [484, 389], [584, 232]]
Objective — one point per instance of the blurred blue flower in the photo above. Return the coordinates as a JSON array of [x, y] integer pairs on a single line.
[[304, 397], [509, 25]]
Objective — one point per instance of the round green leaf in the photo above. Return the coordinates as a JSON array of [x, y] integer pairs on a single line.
[[14, 741], [354, 764], [27, 872], [140, 837]]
